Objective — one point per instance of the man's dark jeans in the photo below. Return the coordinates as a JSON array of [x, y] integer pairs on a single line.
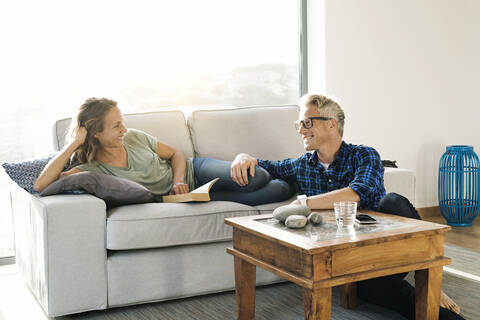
[[393, 292]]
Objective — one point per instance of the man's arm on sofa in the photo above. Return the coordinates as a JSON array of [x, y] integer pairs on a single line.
[[60, 249]]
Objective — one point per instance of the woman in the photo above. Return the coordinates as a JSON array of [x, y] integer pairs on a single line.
[[101, 143]]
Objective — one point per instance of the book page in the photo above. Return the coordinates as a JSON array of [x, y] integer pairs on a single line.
[[199, 194], [206, 187]]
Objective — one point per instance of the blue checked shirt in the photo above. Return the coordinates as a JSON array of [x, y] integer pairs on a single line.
[[356, 166]]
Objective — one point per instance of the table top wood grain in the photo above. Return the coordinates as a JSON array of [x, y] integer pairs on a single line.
[[402, 228]]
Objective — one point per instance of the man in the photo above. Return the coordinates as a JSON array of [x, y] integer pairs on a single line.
[[332, 171]]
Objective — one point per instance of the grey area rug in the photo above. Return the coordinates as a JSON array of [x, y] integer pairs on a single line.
[[274, 302], [277, 302], [284, 301]]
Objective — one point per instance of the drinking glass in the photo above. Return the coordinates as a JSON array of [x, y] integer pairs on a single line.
[[345, 212]]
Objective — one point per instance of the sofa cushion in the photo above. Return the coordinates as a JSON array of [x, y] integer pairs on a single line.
[[167, 126], [115, 191], [263, 132], [154, 225]]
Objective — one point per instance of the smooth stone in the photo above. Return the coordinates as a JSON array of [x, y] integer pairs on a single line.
[[315, 218], [296, 221], [283, 212]]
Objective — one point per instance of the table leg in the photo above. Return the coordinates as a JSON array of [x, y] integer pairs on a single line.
[[348, 295], [245, 274], [317, 303], [428, 286]]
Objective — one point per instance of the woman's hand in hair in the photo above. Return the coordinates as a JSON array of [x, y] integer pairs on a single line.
[[53, 170], [81, 136]]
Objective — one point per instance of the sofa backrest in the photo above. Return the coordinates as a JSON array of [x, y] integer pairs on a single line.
[[169, 127], [263, 132]]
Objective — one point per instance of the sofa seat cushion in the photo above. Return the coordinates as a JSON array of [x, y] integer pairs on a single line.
[[154, 225]]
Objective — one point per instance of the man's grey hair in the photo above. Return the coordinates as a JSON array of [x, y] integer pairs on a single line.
[[327, 107]]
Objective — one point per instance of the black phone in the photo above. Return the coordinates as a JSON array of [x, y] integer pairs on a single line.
[[365, 219]]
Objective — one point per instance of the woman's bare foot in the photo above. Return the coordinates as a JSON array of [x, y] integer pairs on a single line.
[[448, 303]]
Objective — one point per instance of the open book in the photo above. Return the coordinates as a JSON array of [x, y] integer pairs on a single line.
[[199, 194]]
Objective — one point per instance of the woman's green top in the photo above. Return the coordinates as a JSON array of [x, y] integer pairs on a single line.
[[144, 165]]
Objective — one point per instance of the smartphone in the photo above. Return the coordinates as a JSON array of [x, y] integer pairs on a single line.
[[365, 219]]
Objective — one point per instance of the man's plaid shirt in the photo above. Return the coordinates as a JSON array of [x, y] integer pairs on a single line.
[[356, 166]]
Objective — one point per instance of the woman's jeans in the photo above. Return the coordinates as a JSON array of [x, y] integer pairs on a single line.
[[260, 189], [393, 292]]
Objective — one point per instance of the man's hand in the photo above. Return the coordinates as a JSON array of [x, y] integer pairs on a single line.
[[241, 165], [179, 188]]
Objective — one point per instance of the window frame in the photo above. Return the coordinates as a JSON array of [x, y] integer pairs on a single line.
[[303, 59]]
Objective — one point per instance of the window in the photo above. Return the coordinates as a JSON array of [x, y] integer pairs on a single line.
[[147, 55]]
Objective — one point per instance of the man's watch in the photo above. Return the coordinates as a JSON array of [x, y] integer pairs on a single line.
[[303, 199]]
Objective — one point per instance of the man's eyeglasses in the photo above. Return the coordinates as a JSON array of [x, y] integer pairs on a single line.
[[308, 123]]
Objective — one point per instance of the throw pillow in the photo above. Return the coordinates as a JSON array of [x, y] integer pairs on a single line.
[[115, 191], [24, 173]]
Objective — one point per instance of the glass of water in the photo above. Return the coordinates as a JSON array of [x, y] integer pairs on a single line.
[[345, 212]]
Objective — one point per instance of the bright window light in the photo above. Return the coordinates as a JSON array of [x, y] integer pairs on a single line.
[[145, 54]]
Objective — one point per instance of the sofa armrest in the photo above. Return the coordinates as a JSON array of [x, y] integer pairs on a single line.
[[401, 181], [60, 249]]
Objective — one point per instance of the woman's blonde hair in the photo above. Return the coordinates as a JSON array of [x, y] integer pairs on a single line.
[[91, 115], [326, 107]]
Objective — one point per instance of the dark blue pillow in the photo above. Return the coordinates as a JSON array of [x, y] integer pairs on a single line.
[[24, 173]]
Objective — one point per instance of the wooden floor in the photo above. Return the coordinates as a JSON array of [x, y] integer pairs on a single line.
[[466, 237]]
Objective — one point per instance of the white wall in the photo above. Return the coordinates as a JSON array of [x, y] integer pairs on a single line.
[[316, 45], [407, 74]]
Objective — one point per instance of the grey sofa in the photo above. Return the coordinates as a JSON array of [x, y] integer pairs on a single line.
[[75, 255]]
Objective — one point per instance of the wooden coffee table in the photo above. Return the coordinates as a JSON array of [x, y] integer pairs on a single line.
[[319, 258]]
